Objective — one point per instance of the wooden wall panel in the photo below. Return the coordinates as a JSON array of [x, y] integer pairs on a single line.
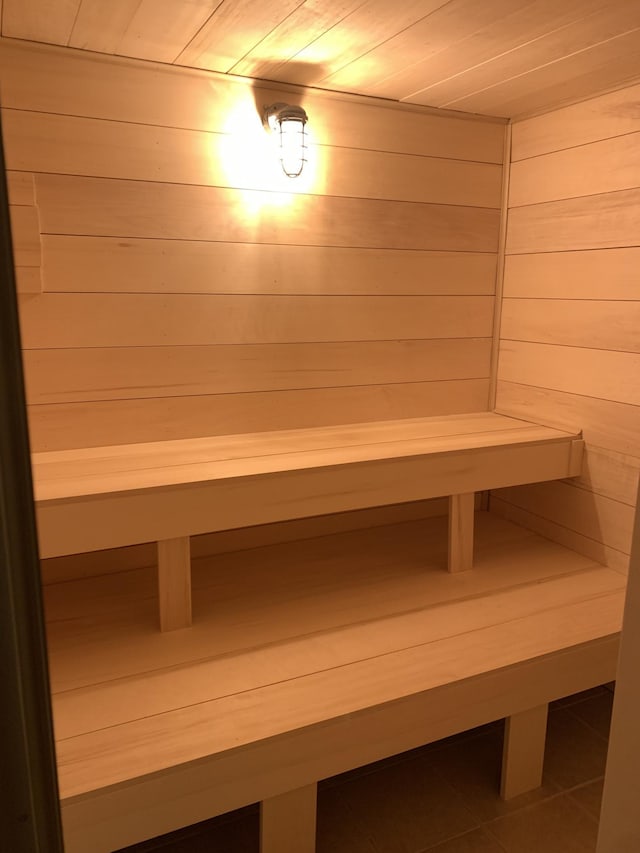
[[125, 373], [189, 293], [132, 265], [570, 339], [86, 424]]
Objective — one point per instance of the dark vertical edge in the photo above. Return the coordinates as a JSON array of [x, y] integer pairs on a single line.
[[29, 803]]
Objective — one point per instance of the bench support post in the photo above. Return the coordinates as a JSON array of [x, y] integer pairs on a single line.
[[461, 509], [174, 583], [523, 752], [288, 822]]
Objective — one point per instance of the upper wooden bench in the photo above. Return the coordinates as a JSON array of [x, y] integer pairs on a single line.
[[106, 497]]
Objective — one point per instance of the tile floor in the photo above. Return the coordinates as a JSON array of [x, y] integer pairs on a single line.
[[443, 798]]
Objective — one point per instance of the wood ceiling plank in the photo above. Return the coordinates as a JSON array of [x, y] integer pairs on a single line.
[[569, 79], [539, 33], [39, 20], [306, 23], [232, 31], [364, 29], [448, 25], [100, 26], [150, 36]]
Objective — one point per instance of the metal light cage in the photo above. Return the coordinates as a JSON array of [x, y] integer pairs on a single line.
[[289, 122]]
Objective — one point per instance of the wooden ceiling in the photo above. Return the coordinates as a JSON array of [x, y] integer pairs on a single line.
[[495, 57]]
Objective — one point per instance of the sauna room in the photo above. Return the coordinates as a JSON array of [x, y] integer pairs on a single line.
[[329, 314]]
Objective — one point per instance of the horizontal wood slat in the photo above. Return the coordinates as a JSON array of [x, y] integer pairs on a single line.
[[79, 146], [597, 324], [603, 221], [589, 514], [98, 320], [591, 548], [64, 376], [87, 424], [607, 116], [46, 80], [599, 167], [69, 205], [604, 423], [610, 375], [112, 264], [574, 275]]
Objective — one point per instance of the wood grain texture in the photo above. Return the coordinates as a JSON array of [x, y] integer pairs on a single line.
[[574, 275], [46, 80], [607, 424], [598, 167], [39, 20], [142, 209], [461, 523], [608, 116], [577, 542], [98, 148], [174, 583], [569, 343], [523, 753], [588, 372], [116, 561], [596, 324], [148, 320], [288, 822], [609, 220], [110, 264], [76, 375], [67, 425], [589, 514]]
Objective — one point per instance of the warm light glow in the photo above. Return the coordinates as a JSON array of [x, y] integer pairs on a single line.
[[250, 159]]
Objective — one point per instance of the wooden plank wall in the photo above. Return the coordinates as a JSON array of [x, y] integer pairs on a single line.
[[190, 288], [570, 332]]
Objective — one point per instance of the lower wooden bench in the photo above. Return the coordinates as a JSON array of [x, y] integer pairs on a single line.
[[166, 492], [307, 659]]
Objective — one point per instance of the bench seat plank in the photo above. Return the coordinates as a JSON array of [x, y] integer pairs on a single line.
[[109, 497], [126, 728]]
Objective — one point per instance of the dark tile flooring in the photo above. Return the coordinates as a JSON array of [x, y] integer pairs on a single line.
[[443, 798]]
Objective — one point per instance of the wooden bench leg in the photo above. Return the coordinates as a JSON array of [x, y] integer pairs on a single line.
[[461, 532], [174, 583], [288, 822], [523, 753]]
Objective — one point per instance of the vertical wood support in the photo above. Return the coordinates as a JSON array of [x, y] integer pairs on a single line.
[[288, 822], [461, 509], [523, 752], [174, 583]]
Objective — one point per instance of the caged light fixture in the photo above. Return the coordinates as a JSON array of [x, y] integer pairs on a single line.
[[289, 123]]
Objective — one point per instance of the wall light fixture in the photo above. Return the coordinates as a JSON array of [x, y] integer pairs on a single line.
[[288, 122]]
